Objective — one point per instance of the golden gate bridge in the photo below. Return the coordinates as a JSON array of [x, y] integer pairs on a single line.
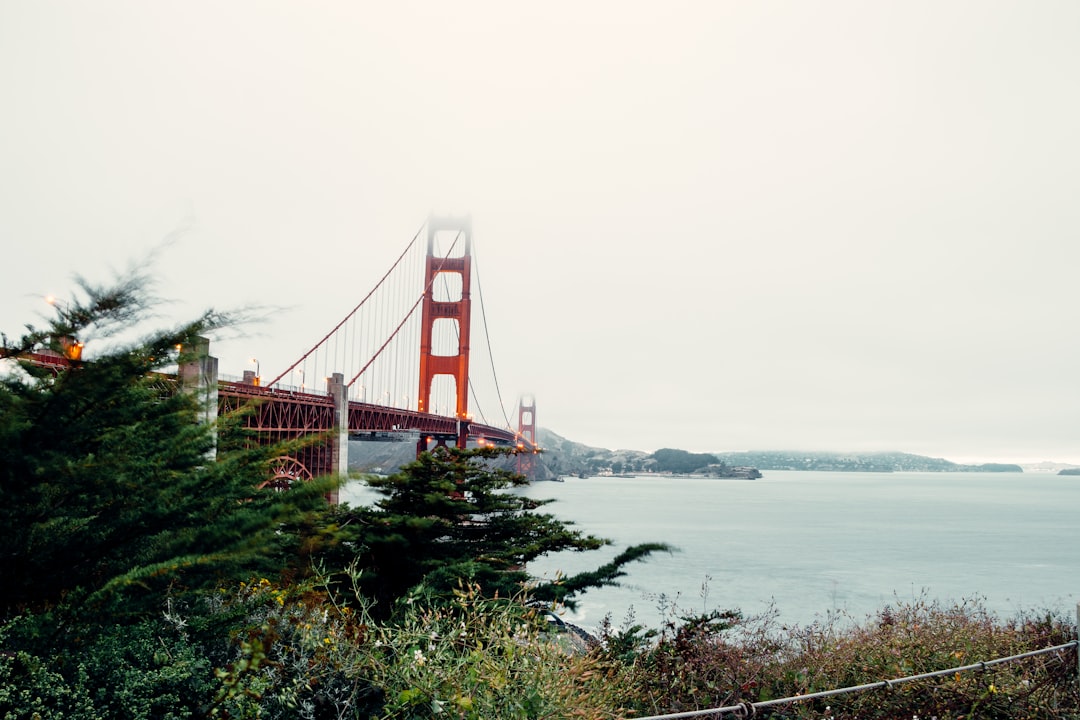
[[395, 367]]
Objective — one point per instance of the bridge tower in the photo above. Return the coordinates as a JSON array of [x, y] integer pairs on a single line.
[[456, 310], [526, 434]]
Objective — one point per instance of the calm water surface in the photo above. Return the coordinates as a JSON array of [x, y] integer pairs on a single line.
[[813, 542]]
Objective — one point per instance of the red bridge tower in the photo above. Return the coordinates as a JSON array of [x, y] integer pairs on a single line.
[[458, 310]]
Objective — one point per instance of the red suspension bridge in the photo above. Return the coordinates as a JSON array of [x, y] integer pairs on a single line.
[[396, 367]]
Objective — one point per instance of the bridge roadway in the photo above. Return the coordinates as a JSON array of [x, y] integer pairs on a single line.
[[288, 411]]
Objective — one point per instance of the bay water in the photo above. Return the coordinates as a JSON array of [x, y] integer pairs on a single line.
[[809, 544], [806, 544]]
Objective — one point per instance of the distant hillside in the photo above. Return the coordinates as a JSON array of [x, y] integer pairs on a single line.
[[563, 457], [856, 462], [566, 457]]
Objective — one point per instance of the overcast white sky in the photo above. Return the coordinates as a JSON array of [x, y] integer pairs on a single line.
[[834, 225]]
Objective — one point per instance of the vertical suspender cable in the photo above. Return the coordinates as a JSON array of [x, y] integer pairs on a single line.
[[487, 341], [404, 320], [377, 286]]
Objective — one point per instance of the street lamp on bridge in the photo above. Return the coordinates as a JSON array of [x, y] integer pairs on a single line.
[[258, 374], [70, 347]]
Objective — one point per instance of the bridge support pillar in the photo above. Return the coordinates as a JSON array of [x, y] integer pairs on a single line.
[[526, 456], [198, 372], [456, 310], [440, 440], [339, 440]]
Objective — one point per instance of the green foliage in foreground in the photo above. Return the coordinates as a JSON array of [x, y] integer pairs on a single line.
[[449, 519], [106, 494], [724, 659], [300, 651]]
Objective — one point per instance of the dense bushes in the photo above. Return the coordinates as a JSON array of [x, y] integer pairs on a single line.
[[263, 650], [723, 659], [298, 652], [471, 657]]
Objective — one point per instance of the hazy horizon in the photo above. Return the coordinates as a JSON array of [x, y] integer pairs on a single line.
[[958, 459], [841, 226]]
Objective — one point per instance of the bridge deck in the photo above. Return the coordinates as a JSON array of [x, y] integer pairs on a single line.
[[286, 410]]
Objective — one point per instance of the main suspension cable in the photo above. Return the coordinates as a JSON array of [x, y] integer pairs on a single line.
[[354, 310], [410, 313]]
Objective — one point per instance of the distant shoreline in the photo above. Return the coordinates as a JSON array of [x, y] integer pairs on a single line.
[[703, 476]]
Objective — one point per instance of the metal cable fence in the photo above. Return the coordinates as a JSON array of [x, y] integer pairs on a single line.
[[749, 710]]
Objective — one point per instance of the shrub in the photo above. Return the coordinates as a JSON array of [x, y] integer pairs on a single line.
[[30, 689], [481, 658], [723, 659], [692, 661], [917, 637], [296, 655], [147, 671], [305, 656]]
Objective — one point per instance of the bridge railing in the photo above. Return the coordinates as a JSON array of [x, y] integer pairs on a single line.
[[242, 388]]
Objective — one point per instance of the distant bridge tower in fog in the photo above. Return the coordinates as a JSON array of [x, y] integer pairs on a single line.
[[526, 434]]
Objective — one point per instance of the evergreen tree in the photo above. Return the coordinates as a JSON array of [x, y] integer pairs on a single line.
[[106, 493], [449, 518]]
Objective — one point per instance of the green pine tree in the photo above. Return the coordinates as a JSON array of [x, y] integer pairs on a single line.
[[449, 518], [106, 493]]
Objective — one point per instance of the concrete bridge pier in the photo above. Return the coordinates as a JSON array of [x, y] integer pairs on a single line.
[[199, 375], [339, 437]]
